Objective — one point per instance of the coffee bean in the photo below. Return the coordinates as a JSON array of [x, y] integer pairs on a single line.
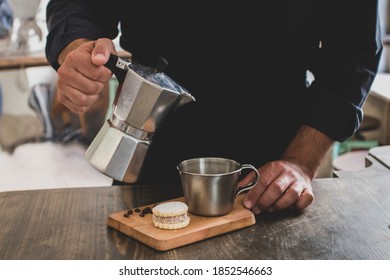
[[129, 211], [126, 215], [137, 210]]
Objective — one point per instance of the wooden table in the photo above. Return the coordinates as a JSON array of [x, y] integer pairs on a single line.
[[349, 220]]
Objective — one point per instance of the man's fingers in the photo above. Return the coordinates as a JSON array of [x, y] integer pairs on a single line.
[[291, 195], [101, 51], [307, 198], [79, 107]]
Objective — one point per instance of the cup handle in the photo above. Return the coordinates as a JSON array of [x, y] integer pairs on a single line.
[[251, 184]]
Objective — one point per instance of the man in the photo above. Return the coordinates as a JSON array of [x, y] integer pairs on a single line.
[[246, 64]]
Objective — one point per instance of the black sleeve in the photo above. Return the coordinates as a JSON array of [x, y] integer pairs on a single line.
[[68, 20], [344, 68]]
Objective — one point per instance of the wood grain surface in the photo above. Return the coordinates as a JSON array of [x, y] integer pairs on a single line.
[[348, 220], [142, 229], [382, 155]]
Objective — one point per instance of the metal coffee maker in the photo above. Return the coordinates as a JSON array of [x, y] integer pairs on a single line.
[[145, 97]]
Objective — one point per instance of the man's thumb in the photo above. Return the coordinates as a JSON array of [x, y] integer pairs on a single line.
[[101, 52]]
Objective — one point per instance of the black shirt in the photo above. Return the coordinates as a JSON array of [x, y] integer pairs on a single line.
[[246, 65]]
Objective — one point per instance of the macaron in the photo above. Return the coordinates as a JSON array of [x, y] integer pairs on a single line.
[[171, 215]]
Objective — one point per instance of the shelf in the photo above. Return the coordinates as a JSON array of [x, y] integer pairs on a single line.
[[22, 61], [33, 60]]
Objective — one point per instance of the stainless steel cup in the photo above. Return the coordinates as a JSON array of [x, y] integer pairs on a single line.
[[210, 184]]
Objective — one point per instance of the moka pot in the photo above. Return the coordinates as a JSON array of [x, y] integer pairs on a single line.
[[145, 97]]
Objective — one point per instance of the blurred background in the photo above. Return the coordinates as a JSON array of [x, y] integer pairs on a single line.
[[37, 154], [33, 153]]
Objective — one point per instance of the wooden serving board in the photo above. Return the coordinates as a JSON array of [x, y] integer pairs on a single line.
[[200, 227]]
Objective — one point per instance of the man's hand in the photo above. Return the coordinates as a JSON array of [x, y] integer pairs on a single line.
[[286, 182], [282, 185], [82, 75]]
